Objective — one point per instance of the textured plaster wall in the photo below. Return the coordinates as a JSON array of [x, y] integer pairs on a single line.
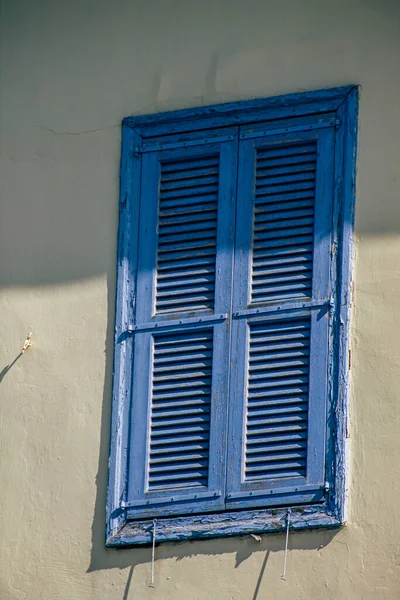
[[69, 72]]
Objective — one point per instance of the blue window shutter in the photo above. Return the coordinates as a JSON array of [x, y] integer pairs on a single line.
[[280, 330], [182, 329]]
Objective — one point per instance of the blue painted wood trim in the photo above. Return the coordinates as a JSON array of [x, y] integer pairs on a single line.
[[123, 344], [249, 111], [345, 191], [223, 524]]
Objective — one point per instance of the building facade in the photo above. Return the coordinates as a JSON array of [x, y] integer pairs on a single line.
[[69, 74]]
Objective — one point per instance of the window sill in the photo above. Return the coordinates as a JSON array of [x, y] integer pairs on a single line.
[[223, 524]]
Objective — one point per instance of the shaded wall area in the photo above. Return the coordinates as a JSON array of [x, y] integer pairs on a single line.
[[69, 72]]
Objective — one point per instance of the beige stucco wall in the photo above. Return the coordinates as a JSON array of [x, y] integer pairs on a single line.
[[69, 72]]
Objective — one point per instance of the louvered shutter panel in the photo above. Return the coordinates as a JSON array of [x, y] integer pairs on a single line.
[[182, 328], [279, 382]]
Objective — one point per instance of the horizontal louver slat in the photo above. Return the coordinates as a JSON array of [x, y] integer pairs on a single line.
[[180, 410], [277, 399], [187, 234], [283, 222]]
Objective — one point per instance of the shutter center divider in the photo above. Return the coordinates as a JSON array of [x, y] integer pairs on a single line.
[[172, 323], [283, 308]]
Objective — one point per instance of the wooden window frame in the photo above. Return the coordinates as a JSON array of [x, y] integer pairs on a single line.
[[141, 132]]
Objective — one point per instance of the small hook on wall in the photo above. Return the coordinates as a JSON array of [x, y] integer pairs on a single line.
[[27, 343]]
